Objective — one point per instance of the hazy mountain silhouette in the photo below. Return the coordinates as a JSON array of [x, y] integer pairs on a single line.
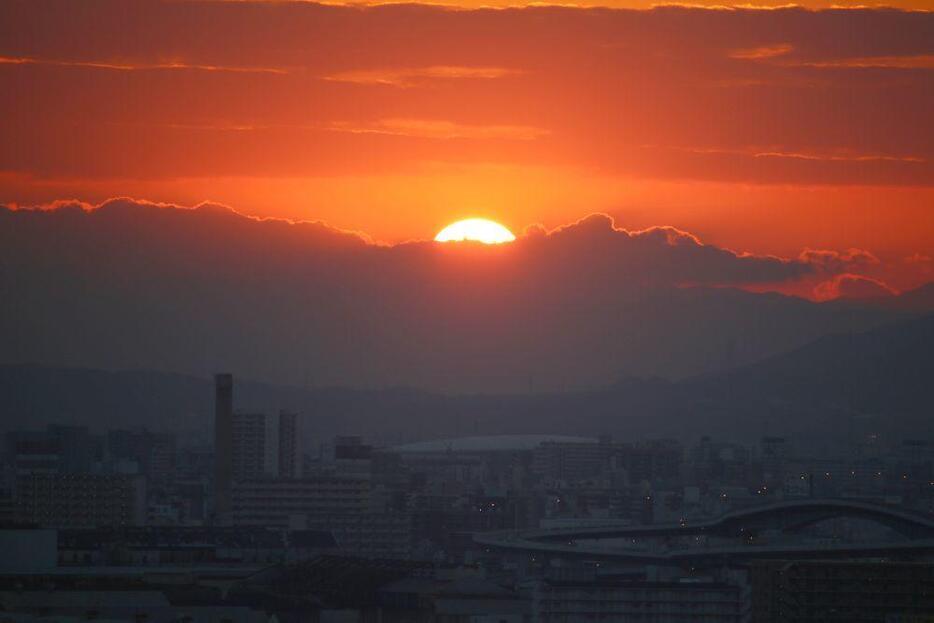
[[879, 379], [917, 300]]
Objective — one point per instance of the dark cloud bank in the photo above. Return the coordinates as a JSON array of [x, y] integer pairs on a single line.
[[136, 285]]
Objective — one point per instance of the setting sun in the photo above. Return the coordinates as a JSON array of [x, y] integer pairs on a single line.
[[476, 229]]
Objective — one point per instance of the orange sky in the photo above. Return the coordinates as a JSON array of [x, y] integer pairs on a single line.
[[763, 131]]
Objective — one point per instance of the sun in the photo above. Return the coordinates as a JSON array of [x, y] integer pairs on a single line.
[[477, 229]]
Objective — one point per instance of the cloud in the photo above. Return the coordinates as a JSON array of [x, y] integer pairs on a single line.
[[766, 51], [439, 129], [412, 76], [828, 261], [659, 256], [772, 152], [778, 54], [131, 283], [837, 157], [917, 61], [852, 286], [128, 66], [918, 258]]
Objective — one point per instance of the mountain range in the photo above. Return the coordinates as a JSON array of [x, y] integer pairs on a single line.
[[838, 385]]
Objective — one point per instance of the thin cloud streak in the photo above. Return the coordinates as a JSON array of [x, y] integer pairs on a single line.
[[119, 66], [440, 129], [769, 51], [777, 153], [920, 61], [768, 54], [413, 76]]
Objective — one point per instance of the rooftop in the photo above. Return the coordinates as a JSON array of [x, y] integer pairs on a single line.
[[488, 444]]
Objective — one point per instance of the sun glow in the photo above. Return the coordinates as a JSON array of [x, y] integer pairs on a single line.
[[476, 229]]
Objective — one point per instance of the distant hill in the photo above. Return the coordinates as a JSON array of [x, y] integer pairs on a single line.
[[918, 300], [878, 379], [882, 377]]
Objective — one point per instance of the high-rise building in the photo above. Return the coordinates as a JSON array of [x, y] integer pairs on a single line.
[[265, 446], [250, 445], [250, 456], [289, 447], [223, 442]]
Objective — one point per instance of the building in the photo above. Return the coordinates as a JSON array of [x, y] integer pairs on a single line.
[[290, 454], [655, 459], [572, 461], [841, 591], [80, 500], [293, 503], [250, 445], [33, 453], [265, 446], [774, 453], [28, 550], [154, 453], [57, 449], [175, 546], [251, 457], [635, 599], [347, 507], [345, 589], [369, 535]]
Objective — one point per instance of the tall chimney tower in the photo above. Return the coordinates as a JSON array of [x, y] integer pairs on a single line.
[[223, 443]]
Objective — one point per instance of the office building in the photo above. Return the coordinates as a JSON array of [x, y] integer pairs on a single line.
[[290, 454], [265, 446]]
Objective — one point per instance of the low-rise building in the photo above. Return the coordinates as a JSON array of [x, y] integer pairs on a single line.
[[828, 591], [75, 500], [637, 600], [293, 503]]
